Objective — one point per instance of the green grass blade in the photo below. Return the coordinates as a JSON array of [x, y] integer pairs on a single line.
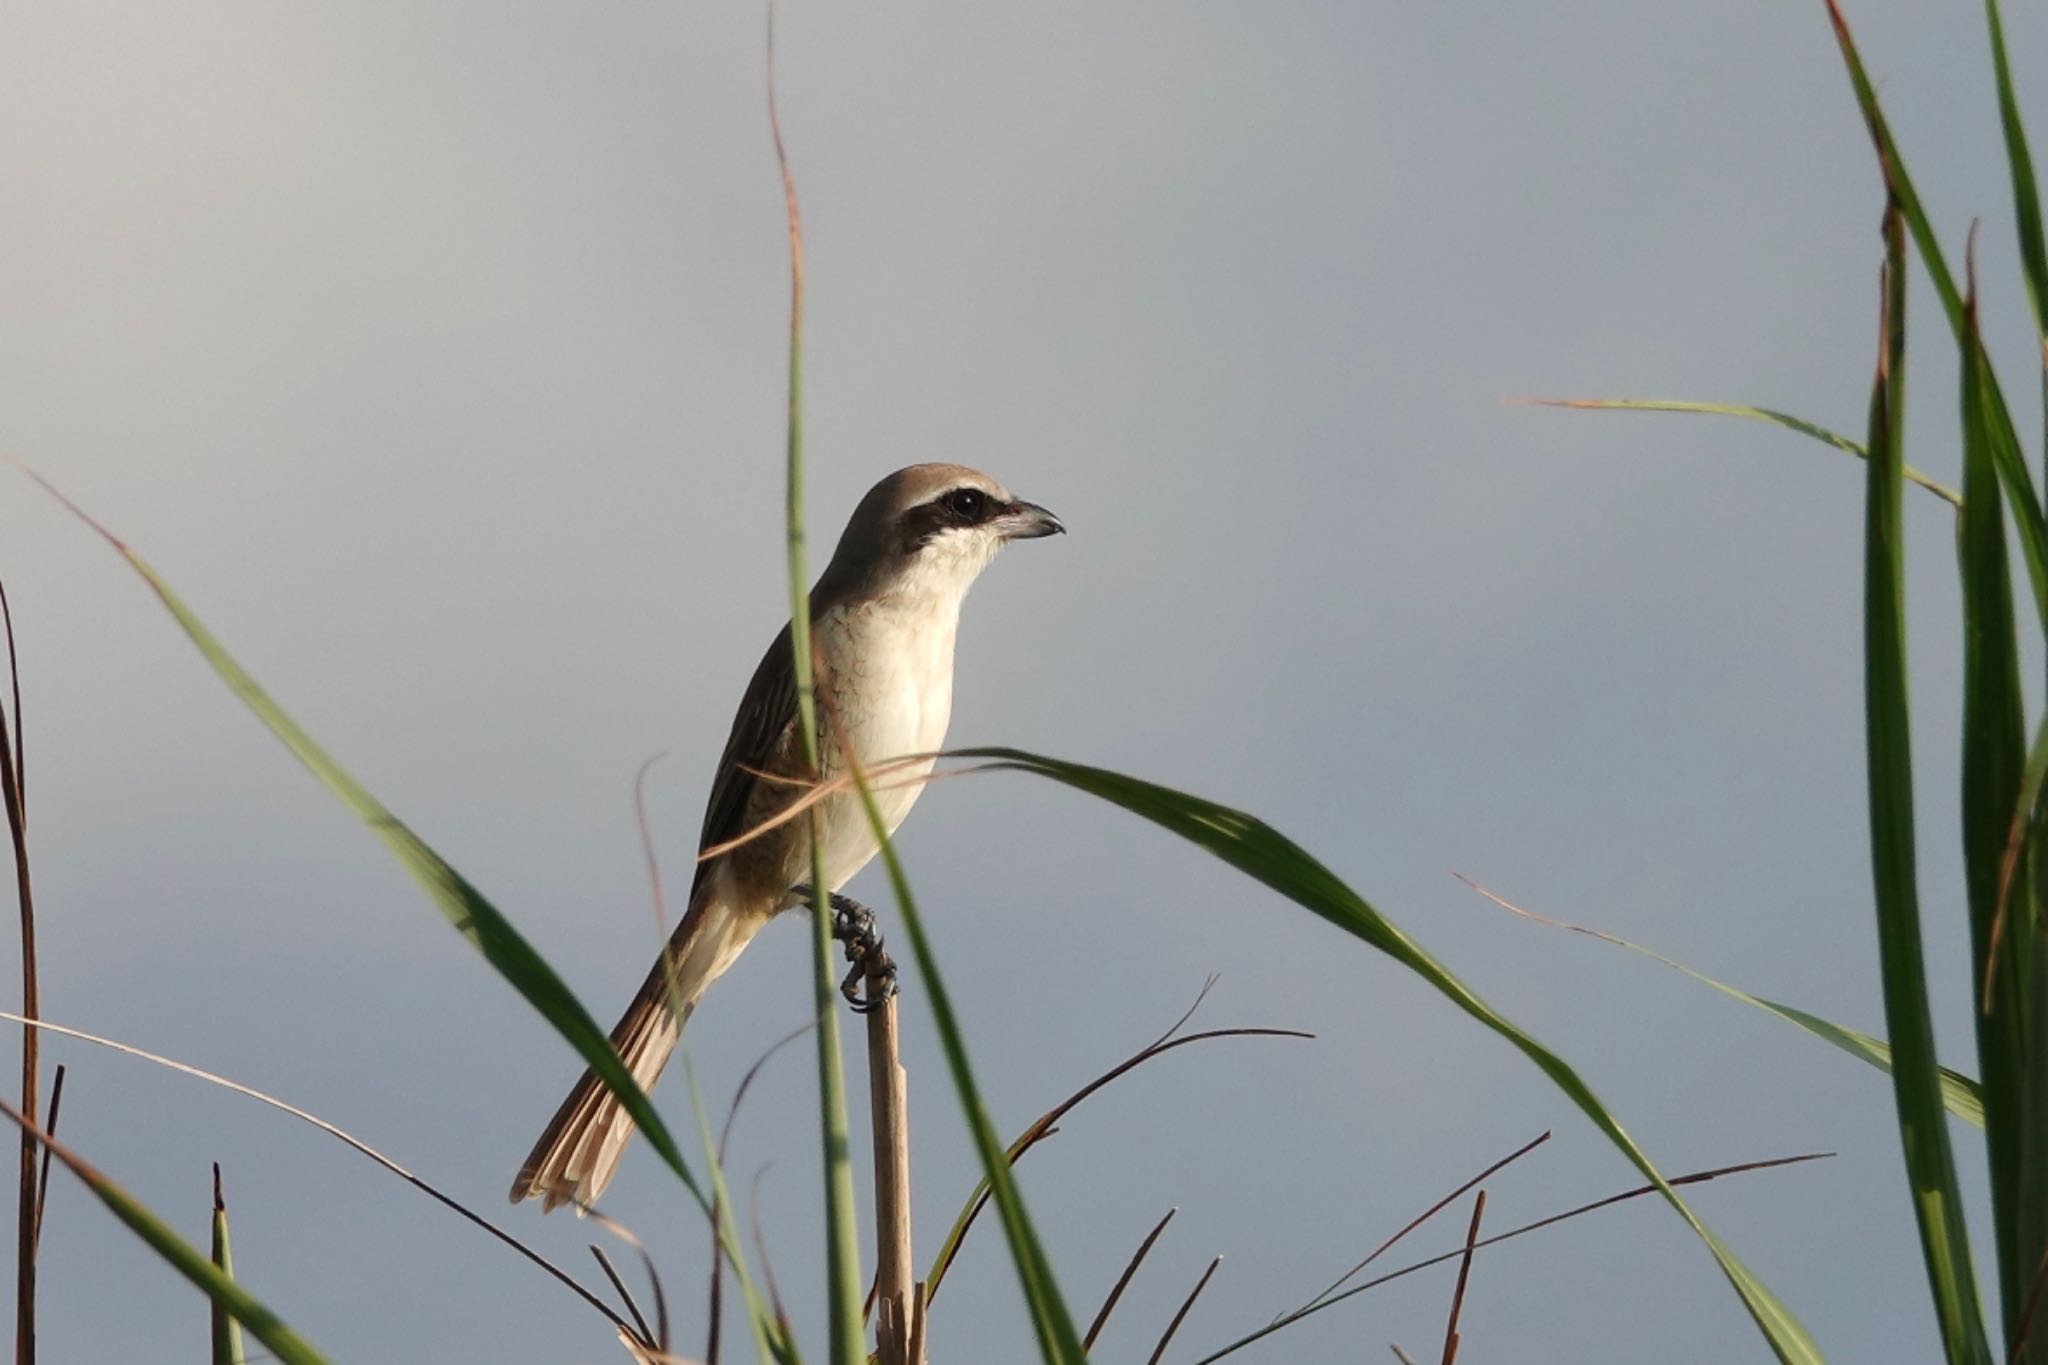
[[2031, 1231], [1994, 764], [2026, 198], [842, 1244], [1051, 1320], [1771, 415], [227, 1333], [2023, 1014], [473, 916], [2006, 453], [189, 1261], [1930, 1168], [1959, 1094], [1895, 177], [1264, 854]]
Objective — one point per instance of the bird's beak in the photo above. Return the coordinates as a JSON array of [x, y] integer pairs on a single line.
[[1027, 521]]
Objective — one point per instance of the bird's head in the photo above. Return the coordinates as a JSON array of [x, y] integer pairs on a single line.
[[932, 528]]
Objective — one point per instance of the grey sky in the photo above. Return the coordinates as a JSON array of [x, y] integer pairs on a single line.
[[435, 353]]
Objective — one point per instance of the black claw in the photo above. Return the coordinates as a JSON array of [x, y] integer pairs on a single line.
[[879, 970], [882, 982], [850, 987], [853, 924]]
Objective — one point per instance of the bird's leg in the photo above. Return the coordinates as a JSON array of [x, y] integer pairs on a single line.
[[853, 924]]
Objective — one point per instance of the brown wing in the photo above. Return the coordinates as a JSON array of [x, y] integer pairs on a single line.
[[760, 739]]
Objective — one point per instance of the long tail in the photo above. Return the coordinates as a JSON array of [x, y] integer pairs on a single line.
[[577, 1155]]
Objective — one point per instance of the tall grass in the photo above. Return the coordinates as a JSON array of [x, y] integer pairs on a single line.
[[2005, 838], [842, 1245]]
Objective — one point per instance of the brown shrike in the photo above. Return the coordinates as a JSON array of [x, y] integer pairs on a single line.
[[883, 618]]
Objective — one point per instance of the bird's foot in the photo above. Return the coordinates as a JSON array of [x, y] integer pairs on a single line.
[[853, 925]]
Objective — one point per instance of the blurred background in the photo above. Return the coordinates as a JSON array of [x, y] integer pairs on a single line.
[[436, 354]]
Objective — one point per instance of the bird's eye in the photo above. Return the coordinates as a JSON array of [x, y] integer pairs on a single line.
[[968, 504]]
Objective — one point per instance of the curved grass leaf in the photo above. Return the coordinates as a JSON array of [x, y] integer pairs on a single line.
[[1930, 1167], [2019, 1012], [1993, 779], [1264, 854], [473, 916], [188, 1260], [1044, 1126], [2026, 198], [1962, 1096], [1776, 418], [2006, 454]]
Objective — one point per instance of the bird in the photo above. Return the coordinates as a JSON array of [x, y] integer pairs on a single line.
[[884, 615]]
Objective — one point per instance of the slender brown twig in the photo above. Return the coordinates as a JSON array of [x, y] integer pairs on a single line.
[[1043, 1127], [13, 787], [656, 1348], [340, 1135], [1159, 1351], [661, 1328], [43, 1177], [1693, 1178], [1464, 1274], [1117, 1290], [611, 1273], [761, 1254], [14, 690], [1430, 1213], [714, 1320]]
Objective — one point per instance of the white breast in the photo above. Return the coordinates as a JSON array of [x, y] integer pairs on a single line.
[[889, 694]]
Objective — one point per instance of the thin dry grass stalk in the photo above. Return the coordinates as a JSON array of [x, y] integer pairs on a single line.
[[1166, 1339], [1044, 1128], [816, 792], [900, 1300], [1319, 1304], [1451, 1337], [1123, 1281], [341, 1135], [43, 1178], [611, 1273], [1432, 1211], [13, 785], [640, 1345], [761, 1254]]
